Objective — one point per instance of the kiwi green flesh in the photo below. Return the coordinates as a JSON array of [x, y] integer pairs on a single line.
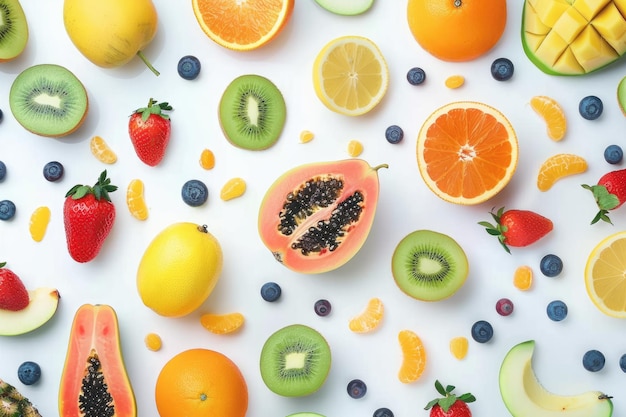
[[295, 361], [621, 95], [252, 112], [48, 100], [429, 266], [13, 30]]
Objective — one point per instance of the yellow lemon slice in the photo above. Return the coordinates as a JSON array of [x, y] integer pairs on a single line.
[[605, 275], [135, 200], [350, 75], [101, 150], [552, 113], [558, 166], [369, 319]]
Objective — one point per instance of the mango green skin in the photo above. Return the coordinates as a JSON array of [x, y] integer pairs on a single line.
[[524, 396], [110, 33]]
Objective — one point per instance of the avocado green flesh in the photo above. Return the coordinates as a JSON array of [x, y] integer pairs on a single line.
[[524, 396]]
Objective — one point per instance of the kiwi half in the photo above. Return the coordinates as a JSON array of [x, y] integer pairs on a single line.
[[295, 361], [252, 112], [429, 266], [13, 30], [48, 100]]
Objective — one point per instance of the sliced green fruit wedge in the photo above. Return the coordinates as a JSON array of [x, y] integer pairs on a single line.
[[346, 7], [573, 37], [621, 95]]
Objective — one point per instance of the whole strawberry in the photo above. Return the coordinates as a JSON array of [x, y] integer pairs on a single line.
[[449, 405], [88, 216], [517, 228], [609, 193], [13, 293], [149, 129]]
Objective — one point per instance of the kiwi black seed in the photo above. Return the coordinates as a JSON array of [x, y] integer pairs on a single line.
[[252, 112], [13, 30], [295, 361], [429, 266], [48, 100]]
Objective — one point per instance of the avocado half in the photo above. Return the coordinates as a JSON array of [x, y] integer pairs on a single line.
[[573, 37], [524, 396]]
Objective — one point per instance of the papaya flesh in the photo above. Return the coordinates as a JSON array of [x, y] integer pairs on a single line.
[[316, 217], [567, 37], [94, 382]]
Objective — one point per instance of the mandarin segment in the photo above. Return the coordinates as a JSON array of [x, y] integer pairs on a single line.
[[306, 136], [455, 81], [350, 75], [523, 277], [207, 159], [233, 188], [558, 166], [242, 25], [553, 115], [459, 346], [467, 152], [370, 318], [135, 200], [153, 342], [222, 323], [413, 356], [39, 221], [102, 151], [355, 148]]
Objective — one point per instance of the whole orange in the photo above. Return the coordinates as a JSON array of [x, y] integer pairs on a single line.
[[457, 30], [199, 383]]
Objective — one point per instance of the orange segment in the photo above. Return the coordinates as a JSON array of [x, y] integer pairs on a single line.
[[369, 319], [523, 278], [135, 200], [467, 152], [355, 148], [605, 275], [552, 113], [413, 356], [242, 25], [153, 342], [207, 159], [455, 81], [557, 167], [101, 150], [306, 136], [350, 75], [235, 187], [39, 223], [222, 323], [459, 347]]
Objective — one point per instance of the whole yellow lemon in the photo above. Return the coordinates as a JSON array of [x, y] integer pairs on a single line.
[[179, 269]]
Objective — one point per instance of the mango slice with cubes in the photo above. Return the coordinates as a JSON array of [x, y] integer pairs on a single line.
[[573, 37]]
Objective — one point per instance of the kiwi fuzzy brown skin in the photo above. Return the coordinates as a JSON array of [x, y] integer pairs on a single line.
[[234, 113], [57, 82], [13, 30], [300, 342], [429, 266]]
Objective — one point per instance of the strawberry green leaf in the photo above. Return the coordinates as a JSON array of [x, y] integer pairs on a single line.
[[440, 388], [446, 403], [431, 404], [467, 398]]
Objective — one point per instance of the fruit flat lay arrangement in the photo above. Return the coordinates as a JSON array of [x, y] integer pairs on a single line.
[[312, 208]]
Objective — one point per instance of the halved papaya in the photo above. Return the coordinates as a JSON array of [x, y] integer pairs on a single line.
[[317, 216], [94, 381]]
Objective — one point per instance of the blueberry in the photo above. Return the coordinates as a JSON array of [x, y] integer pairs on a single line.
[[482, 331], [556, 310], [593, 360], [504, 307], [502, 69], [189, 67], [383, 412], [394, 134], [590, 107], [3, 171], [194, 193], [7, 209], [416, 76], [29, 373], [322, 307], [1, 115], [551, 265], [270, 291], [357, 388], [622, 362], [613, 154], [53, 171]]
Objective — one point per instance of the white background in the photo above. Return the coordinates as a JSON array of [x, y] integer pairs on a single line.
[[405, 205]]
